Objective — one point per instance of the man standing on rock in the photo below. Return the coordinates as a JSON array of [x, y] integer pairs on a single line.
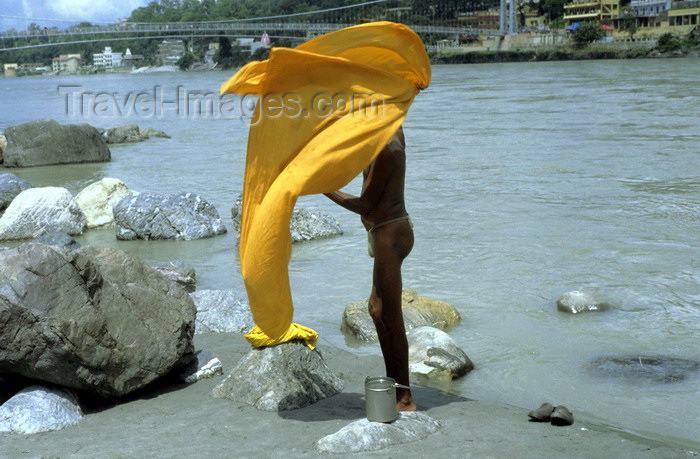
[[382, 209]]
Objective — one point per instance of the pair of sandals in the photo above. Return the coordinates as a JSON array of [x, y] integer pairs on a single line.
[[557, 415]]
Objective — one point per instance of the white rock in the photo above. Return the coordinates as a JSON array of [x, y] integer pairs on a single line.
[[97, 199], [575, 302], [221, 311], [211, 368], [39, 409], [433, 353], [3, 142], [364, 435], [38, 211]]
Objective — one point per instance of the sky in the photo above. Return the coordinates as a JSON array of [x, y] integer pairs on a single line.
[[63, 13]]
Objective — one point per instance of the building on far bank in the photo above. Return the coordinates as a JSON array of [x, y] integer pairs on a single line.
[[10, 70], [131, 60], [33, 67], [486, 19], [66, 63], [212, 53], [107, 59], [250, 45], [602, 11], [169, 52]]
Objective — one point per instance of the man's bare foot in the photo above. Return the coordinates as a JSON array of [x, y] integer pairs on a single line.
[[406, 404]]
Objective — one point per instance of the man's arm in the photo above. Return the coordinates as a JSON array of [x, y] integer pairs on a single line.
[[374, 187]]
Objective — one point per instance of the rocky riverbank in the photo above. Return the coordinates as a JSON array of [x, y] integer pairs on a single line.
[[557, 54], [183, 420]]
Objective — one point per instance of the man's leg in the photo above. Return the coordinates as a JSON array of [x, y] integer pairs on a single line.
[[385, 310]]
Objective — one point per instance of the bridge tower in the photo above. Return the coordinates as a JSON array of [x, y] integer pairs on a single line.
[[507, 18]]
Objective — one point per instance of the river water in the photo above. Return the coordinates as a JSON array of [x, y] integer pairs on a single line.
[[524, 181]]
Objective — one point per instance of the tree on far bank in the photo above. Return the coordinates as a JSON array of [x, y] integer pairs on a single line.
[[186, 61], [628, 22], [586, 33]]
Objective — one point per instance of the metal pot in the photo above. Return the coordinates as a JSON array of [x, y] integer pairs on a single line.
[[380, 398]]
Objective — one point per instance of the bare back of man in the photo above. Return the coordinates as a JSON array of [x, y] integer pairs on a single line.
[[383, 213]]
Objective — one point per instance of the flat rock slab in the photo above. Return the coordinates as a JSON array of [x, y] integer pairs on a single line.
[[182, 275], [435, 355], [131, 133], [303, 225], [280, 378], [575, 302], [418, 311], [43, 142], [39, 409], [659, 369], [10, 187], [364, 435], [221, 311], [152, 216]]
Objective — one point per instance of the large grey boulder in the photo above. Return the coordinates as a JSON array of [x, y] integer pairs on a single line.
[[94, 319], [182, 275], [575, 302], [97, 199], [60, 240], [435, 355], [363, 435], [39, 409], [280, 378], [303, 226], [10, 187], [38, 211], [155, 216], [131, 133], [418, 311], [43, 142], [221, 311]]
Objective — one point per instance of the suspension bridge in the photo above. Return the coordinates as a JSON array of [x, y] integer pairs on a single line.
[[428, 23]]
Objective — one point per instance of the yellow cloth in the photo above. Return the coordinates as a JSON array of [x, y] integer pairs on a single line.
[[258, 338], [293, 152]]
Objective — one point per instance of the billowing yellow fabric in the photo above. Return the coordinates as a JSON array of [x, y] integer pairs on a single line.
[[258, 338], [303, 140]]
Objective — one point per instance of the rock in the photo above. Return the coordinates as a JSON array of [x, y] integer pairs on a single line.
[[363, 435], [221, 311], [10, 187], [94, 319], [43, 142], [280, 378], [303, 226], [131, 133], [61, 240], [177, 272], [434, 354], [38, 211], [575, 302], [204, 365], [659, 369], [3, 145], [39, 409], [154, 216], [418, 311], [97, 200]]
